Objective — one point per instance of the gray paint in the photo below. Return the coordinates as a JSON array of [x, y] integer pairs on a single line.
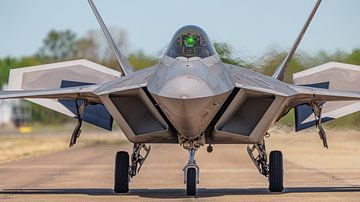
[[190, 112], [181, 97]]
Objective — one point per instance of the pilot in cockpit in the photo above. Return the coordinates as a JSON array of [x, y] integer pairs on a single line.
[[190, 42]]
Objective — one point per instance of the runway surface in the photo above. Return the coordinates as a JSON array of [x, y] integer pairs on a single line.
[[227, 174]]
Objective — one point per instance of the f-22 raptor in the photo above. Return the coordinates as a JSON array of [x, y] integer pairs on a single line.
[[190, 98]]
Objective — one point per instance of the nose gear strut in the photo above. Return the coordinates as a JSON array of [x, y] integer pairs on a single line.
[[191, 174]]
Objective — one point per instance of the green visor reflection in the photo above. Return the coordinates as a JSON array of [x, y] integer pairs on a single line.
[[190, 41]]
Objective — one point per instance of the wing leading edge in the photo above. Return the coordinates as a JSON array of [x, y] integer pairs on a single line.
[[72, 93], [71, 97], [307, 95]]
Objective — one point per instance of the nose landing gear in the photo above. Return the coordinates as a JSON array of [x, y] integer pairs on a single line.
[[191, 174], [191, 169]]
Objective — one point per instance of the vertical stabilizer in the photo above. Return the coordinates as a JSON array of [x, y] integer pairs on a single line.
[[280, 71], [125, 67]]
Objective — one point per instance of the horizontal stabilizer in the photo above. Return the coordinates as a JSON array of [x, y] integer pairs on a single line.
[[37, 83], [333, 76]]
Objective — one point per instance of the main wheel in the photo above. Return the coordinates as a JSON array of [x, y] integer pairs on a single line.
[[121, 183], [191, 182], [276, 175]]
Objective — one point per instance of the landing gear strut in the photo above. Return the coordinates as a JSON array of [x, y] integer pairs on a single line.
[[191, 174], [137, 160], [124, 170], [261, 160], [273, 170], [80, 108], [317, 109], [191, 169]]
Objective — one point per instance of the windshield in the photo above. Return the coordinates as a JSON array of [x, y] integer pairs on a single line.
[[190, 41]]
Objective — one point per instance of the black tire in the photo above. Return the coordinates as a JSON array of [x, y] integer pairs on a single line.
[[276, 175], [191, 182], [121, 181]]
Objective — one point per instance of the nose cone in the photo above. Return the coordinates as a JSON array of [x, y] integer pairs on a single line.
[[191, 117], [185, 87]]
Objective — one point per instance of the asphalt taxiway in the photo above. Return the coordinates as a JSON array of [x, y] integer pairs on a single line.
[[227, 174]]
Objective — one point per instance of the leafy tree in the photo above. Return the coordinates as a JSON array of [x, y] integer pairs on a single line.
[[58, 45], [11, 63], [270, 61], [140, 60], [226, 53], [354, 57], [86, 47]]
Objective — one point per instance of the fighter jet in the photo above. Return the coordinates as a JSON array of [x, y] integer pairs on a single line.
[[191, 98]]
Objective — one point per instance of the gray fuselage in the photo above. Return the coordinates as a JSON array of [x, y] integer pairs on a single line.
[[190, 91]]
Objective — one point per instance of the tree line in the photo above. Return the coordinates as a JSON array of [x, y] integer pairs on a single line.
[[60, 45]]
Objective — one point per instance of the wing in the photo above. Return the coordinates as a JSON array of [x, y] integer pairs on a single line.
[[258, 101], [294, 95], [95, 113], [125, 100], [72, 93], [73, 73], [307, 95], [288, 96], [334, 76]]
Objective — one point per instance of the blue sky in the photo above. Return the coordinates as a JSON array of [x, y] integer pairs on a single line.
[[251, 26]]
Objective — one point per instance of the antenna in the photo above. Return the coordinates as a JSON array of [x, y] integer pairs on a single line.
[[280, 71], [125, 67]]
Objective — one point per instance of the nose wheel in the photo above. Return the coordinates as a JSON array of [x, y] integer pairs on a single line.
[[191, 174], [191, 182]]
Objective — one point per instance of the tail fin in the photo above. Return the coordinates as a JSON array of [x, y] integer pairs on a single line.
[[125, 67], [280, 71]]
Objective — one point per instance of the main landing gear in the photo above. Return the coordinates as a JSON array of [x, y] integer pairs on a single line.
[[273, 170], [124, 170], [126, 167]]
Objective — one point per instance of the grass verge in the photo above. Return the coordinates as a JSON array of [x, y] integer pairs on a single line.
[[15, 146]]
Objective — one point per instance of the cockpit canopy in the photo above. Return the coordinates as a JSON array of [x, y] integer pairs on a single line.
[[190, 41]]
